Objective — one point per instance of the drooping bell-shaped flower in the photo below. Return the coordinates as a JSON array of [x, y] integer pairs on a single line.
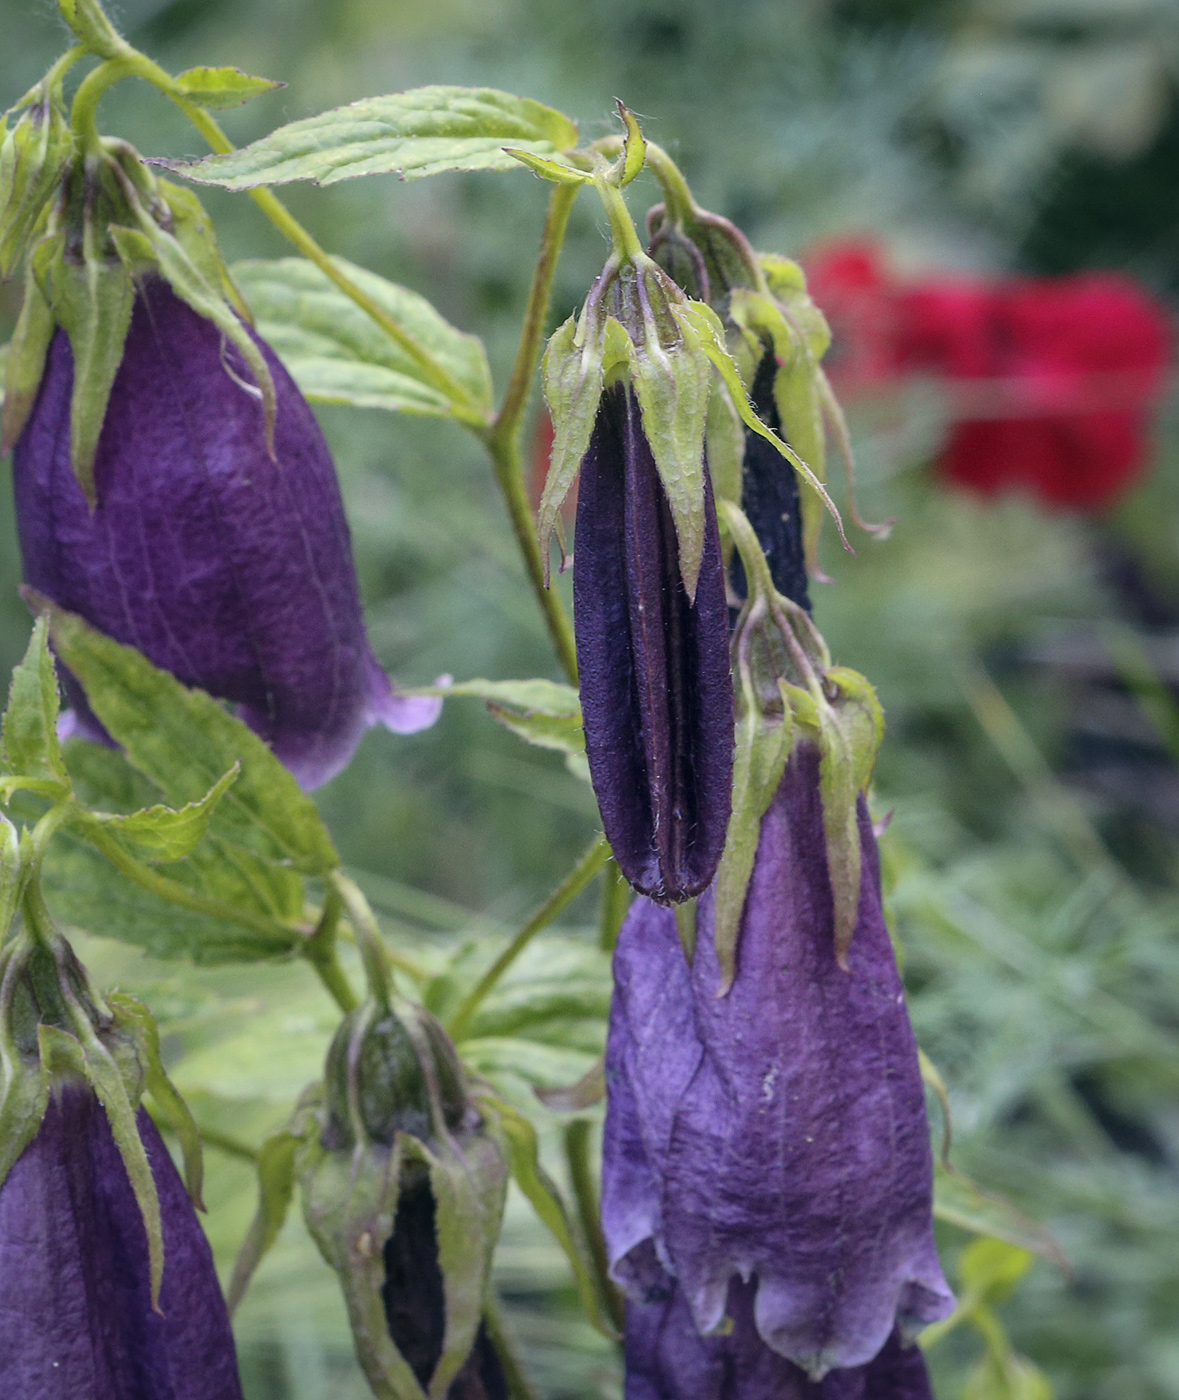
[[775, 1133], [76, 1315], [668, 1359], [224, 564]]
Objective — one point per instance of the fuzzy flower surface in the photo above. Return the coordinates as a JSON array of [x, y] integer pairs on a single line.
[[776, 1134], [225, 565], [76, 1318]]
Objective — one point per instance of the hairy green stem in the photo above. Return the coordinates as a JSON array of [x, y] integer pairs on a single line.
[[369, 941], [503, 441], [565, 893], [320, 952], [581, 1178], [84, 109], [615, 903]]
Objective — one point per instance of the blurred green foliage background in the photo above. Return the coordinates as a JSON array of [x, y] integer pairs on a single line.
[[1032, 850]]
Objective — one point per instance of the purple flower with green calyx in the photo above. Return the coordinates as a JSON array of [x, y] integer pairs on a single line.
[[223, 564], [668, 1359], [403, 1185], [107, 1283], [172, 485], [774, 1132]]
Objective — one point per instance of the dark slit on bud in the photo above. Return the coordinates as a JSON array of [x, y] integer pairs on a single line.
[[770, 498], [656, 693]]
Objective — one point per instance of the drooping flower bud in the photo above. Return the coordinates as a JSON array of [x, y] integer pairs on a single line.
[[224, 564], [668, 1359], [656, 692], [107, 1283], [34, 152], [403, 1190], [777, 1132]]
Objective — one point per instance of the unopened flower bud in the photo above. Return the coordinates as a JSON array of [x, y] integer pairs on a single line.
[[34, 154], [403, 1190]]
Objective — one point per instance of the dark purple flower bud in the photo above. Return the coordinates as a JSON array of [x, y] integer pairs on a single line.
[[667, 1359], [224, 565], [76, 1318], [656, 692], [777, 1133], [770, 498]]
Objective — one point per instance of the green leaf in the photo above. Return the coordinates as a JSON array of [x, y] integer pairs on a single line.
[[184, 741], [545, 1199], [538, 697], [960, 1201], [337, 352], [160, 834], [556, 171], [222, 87], [990, 1270], [426, 131], [92, 300], [29, 748]]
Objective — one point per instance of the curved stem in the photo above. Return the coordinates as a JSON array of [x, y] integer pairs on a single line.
[[85, 105], [565, 893], [368, 937], [681, 207], [503, 441], [320, 952]]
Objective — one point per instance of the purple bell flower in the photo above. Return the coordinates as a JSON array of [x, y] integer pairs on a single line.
[[76, 1318], [222, 564], [656, 692], [776, 1134], [667, 1359]]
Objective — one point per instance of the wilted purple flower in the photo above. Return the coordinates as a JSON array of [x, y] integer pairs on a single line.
[[668, 1359], [76, 1318], [777, 1133], [224, 565], [656, 693]]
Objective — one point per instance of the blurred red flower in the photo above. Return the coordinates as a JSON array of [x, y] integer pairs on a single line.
[[1051, 380]]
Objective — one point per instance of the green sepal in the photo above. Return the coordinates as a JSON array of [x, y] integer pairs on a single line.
[[555, 171], [131, 1015], [222, 87], [850, 726], [709, 331], [573, 384], [184, 741], [672, 384], [24, 1081], [162, 834], [426, 131], [30, 753], [276, 1186], [25, 363], [193, 230], [724, 437], [544, 1196], [34, 155], [787, 282], [90, 24], [634, 149], [764, 739], [350, 1205], [12, 877], [92, 302]]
